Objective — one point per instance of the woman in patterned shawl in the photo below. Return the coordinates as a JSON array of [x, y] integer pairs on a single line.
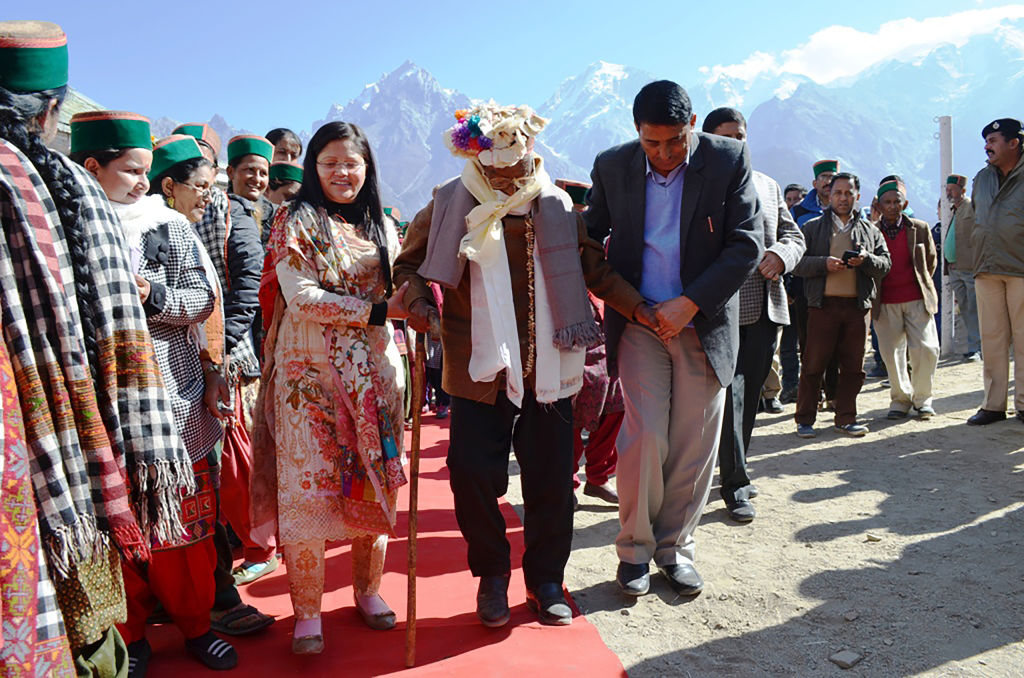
[[108, 467], [179, 291], [333, 382]]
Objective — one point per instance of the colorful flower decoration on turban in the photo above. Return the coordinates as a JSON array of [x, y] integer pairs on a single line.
[[498, 136]]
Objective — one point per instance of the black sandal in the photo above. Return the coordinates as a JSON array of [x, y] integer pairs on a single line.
[[228, 622], [213, 652]]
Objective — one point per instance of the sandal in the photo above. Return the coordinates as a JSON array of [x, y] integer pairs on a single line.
[[250, 572], [308, 644], [213, 652], [233, 622]]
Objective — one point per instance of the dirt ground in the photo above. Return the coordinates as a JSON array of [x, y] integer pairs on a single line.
[[904, 547]]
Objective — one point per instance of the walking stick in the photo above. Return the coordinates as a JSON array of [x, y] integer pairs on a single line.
[[417, 365]]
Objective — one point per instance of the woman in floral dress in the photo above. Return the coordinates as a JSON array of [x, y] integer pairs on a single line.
[[334, 402]]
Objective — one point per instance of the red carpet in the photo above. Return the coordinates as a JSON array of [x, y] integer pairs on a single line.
[[451, 641]]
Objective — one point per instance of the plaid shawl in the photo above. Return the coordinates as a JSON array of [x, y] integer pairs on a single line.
[[91, 444]]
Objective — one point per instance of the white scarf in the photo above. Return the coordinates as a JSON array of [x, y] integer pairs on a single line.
[[145, 215], [495, 335]]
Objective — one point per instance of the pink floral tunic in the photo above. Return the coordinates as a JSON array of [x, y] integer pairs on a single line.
[[339, 383]]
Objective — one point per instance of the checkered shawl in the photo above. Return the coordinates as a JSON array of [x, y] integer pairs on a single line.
[[106, 459], [213, 230], [189, 300]]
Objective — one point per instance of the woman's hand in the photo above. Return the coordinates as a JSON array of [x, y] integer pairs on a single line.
[[143, 286], [396, 304]]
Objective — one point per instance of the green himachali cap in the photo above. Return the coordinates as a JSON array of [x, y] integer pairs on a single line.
[[286, 171], [171, 150], [891, 186], [825, 166], [202, 132], [249, 144], [33, 56], [958, 179], [105, 130]]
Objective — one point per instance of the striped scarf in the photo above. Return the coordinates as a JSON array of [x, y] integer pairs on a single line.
[[106, 459]]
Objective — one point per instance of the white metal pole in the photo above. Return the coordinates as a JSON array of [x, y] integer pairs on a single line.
[[945, 169]]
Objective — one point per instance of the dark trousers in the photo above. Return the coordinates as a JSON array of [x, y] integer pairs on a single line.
[[226, 596], [434, 380], [836, 331], [542, 440], [756, 348], [789, 355]]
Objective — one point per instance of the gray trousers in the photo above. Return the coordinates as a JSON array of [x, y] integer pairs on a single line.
[[962, 283], [667, 444]]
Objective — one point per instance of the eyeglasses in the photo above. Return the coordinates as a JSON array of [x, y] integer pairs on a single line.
[[348, 167], [201, 192]]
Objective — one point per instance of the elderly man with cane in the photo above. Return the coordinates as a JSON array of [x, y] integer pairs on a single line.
[[515, 263]]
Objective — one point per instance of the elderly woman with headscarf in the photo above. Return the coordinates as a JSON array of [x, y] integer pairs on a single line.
[[515, 263]]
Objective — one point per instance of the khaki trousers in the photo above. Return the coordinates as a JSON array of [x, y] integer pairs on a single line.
[[667, 444], [1001, 317], [773, 382], [902, 329]]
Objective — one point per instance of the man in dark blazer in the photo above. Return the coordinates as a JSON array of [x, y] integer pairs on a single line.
[[685, 230]]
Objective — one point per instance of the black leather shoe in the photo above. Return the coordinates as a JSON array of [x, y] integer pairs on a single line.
[[773, 405], [548, 603], [984, 417], [788, 396], [634, 580], [742, 511], [683, 579], [492, 600]]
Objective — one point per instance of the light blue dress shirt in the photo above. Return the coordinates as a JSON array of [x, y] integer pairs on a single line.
[[660, 280]]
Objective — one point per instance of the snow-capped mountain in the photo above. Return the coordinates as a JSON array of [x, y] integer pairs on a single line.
[[403, 114], [879, 122], [883, 121], [591, 112]]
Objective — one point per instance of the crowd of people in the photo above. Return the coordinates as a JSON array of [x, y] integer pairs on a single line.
[[186, 369]]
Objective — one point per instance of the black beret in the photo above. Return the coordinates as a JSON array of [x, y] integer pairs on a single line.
[[1008, 126]]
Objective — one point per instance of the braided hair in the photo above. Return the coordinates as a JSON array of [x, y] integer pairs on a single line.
[[19, 125]]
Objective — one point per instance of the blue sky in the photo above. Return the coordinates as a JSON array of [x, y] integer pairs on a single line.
[[264, 64]]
